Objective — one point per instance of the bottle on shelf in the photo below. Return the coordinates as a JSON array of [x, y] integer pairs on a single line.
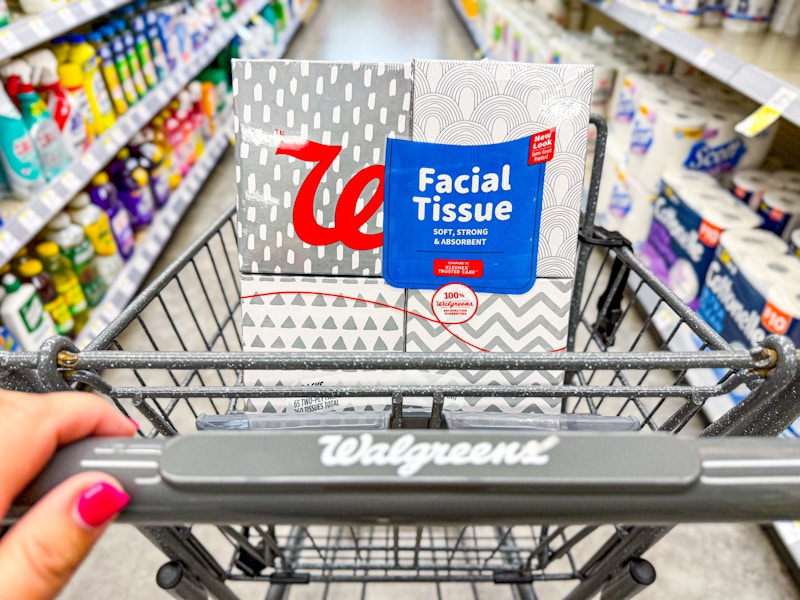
[[44, 77], [21, 163], [8, 342], [60, 47], [136, 194], [97, 228], [79, 132], [160, 57], [66, 281], [23, 313], [14, 73], [44, 132], [32, 7], [117, 47], [76, 247], [144, 52], [84, 55], [31, 271], [104, 195], [126, 37], [108, 69], [151, 159]]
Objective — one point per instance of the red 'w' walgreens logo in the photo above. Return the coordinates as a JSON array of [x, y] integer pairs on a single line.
[[347, 220]]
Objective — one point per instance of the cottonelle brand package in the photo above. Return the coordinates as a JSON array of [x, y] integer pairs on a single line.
[[428, 206]]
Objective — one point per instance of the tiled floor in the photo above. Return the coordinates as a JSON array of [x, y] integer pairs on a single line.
[[708, 561]]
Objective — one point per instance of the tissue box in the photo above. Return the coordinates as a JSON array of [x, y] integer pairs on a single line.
[[284, 202], [318, 314], [311, 146], [536, 321]]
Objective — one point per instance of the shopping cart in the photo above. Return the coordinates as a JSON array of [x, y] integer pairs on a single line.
[[514, 500]]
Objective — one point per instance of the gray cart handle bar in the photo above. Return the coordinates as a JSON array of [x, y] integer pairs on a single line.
[[438, 477]]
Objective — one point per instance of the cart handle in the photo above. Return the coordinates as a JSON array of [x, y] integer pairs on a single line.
[[438, 477]]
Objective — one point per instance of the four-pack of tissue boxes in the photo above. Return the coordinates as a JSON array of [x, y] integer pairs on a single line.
[[311, 142]]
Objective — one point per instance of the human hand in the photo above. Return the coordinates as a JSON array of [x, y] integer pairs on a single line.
[[42, 550]]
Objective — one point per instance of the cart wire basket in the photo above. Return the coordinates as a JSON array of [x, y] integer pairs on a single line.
[[235, 506]]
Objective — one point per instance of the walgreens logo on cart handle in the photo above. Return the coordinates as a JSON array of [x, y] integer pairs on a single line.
[[410, 456]]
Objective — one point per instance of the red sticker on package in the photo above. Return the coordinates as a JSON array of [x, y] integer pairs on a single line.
[[443, 267], [543, 147], [454, 303]]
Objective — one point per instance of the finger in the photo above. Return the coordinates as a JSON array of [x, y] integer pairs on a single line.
[[32, 426], [39, 554]]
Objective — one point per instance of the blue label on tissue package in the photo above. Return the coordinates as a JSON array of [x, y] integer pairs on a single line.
[[676, 250], [464, 213], [715, 159]]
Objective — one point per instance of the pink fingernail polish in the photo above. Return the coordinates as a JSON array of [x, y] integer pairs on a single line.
[[99, 503]]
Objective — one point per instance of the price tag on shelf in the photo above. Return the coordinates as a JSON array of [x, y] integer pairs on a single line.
[[107, 3], [108, 144], [125, 285], [39, 27], [766, 115], [655, 30], [70, 181], [118, 135], [109, 312], [705, 56], [140, 263], [151, 247], [90, 162], [8, 242], [663, 319], [50, 199], [67, 16], [31, 220], [9, 41]]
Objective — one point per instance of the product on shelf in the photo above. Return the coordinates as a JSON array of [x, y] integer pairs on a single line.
[[46, 136], [688, 217], [24, 314], [45, 79], [104, 194], [108, 69], [79, 129], [83, 54], [66, 281], [31, 271], [96, 226], [21, 163], [76, 247]]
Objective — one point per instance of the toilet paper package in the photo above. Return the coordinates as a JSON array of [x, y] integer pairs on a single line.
[[747, 16], [751, 289], [322, 151], [687, 223], [780, 210], [749, 185]]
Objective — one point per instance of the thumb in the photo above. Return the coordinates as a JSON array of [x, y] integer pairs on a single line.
[[39, 554]]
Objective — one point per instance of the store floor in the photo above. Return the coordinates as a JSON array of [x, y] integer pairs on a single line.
[[713, 561]]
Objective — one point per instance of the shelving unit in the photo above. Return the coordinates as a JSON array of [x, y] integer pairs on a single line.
[[762, 67], [160, 231], [157, 235], [35, 214], [31, 31]]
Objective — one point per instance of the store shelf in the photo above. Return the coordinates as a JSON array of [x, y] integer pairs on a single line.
[[160, 231], [478, 37], [762, 67], [149, 248], [20, 229], [31, 31]]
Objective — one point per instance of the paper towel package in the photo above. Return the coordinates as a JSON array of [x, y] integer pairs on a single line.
[[331, 159], [688, 218]]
